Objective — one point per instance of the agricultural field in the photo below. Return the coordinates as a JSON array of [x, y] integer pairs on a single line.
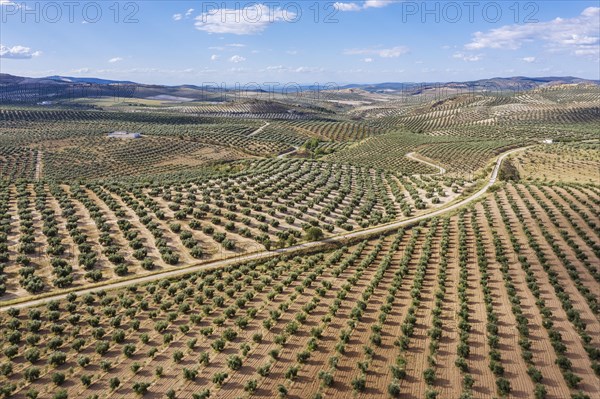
[[561, 105], [462, 157], [361, 244], [572, 162], [334, 131], [60, 236], [253, 109], [72, 144], [103, 157], [17, 163], [500, 299], [387, 151]]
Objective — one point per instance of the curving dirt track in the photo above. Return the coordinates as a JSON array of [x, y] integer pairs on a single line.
[[413, 156]]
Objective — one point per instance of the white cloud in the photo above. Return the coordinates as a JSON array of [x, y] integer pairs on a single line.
[[378, 3], [80, 71], [529, 60], [301, 69], [393, 52], [467, 57], [393, 71], [236, 59], [122, 73], [179, 16], [115, 60], [578, 35], [235, 45], [292, 52], [246, 21], [214, 57], [18, 52], [368, 60], [9, 3], [345, 6], [307, 70], [587, 52]]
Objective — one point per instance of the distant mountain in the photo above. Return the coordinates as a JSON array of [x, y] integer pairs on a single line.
[[68, 79], [513, 83], [6, 80], [18, 89]]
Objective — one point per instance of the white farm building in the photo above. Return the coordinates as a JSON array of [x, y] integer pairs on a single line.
[[124, 135]]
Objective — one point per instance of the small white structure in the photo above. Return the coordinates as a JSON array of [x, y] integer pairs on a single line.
[[548, 141], [124, 135]]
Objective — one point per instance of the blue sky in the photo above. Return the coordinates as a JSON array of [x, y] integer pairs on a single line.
[[195, 42]]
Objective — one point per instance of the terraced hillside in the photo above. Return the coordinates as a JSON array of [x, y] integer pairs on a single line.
[[466, 156], [387, 152], [334, 131], [560, 105], [500, 299]]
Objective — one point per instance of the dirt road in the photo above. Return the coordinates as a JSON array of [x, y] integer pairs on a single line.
[[412, 155], [260, 129], [285, 154], [38, 165]]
